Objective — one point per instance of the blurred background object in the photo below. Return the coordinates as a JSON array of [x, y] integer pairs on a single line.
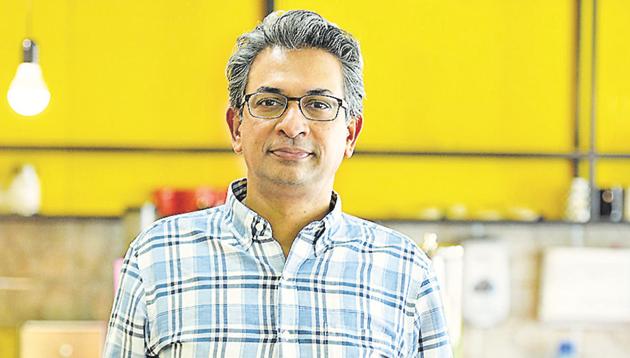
[[169, 201], [64, 339], [23, 197], [578, 207], [585, 285], [486, 283], [448, 264]]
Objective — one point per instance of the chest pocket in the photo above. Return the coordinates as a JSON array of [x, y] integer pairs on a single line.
[[357, 327]]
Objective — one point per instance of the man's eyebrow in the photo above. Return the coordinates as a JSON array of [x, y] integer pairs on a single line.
[[314, 91], [318, 91], [269, 89]]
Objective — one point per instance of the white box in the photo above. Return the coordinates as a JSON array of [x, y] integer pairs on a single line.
[[40, 339], [589, 285]]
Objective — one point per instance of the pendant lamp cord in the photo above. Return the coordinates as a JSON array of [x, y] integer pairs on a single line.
[[29, 18]]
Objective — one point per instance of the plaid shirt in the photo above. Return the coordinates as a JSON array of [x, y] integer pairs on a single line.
[[214, 283]]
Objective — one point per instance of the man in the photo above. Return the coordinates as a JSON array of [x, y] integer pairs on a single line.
[[279, 270]]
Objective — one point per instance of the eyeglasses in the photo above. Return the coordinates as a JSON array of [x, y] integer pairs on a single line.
[[266, 105]]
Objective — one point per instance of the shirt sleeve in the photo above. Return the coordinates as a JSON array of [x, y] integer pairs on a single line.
[[127, 330], [431, 335]]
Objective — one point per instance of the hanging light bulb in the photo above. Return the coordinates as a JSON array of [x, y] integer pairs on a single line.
[[28, 94]]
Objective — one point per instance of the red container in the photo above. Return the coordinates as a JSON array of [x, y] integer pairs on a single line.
[[164, 200], [205, 198], [169, 201]]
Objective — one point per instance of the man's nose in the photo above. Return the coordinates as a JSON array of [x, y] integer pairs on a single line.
[[293, 123]]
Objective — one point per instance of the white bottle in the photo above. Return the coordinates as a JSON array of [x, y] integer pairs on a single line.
[[486, 295], [578, 206], [24, 194]]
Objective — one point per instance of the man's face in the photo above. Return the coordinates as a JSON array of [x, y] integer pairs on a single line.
[[292, 150]]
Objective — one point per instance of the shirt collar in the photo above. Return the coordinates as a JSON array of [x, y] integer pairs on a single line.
[[248, 225]]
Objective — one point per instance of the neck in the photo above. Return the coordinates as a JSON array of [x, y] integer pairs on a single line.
[[288, 208]]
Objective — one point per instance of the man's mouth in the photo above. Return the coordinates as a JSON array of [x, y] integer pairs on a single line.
[[291, 153]]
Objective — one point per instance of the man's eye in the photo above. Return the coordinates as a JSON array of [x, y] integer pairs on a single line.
[[319, 105], [268, 102]]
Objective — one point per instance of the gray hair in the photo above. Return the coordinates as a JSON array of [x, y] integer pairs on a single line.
[[298, 29]]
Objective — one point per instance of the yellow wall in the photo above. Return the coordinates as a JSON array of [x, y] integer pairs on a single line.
[[613, 83], [450, 75]]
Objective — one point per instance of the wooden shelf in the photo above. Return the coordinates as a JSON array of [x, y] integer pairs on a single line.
[[494, 222], [14, 217], [377, 153]]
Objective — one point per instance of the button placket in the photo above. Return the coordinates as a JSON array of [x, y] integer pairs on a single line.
[[288, 305], [288, 297]]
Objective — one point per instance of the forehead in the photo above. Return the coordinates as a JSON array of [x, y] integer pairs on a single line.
[[295, 72]]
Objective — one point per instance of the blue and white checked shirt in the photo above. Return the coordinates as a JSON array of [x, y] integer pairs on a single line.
[[214, 283]]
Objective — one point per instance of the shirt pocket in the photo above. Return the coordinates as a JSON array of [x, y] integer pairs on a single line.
[[361, 330], [180, 317]]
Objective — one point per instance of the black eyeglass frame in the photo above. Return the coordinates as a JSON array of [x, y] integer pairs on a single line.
[[299, 102]]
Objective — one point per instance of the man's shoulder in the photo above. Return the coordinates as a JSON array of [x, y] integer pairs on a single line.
[[382, 234], [181, 228], [377, 237]]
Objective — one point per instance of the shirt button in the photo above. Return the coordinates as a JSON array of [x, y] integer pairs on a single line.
[[260, 227], [284, 334]]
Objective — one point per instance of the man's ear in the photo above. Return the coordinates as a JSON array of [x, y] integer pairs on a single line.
[[233, 120], [354, 128]]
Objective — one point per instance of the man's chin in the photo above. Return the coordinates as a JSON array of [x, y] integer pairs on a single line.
[[289, 181], [286, 178]]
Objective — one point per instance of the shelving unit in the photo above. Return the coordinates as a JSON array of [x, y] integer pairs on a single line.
[[574, 157]]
